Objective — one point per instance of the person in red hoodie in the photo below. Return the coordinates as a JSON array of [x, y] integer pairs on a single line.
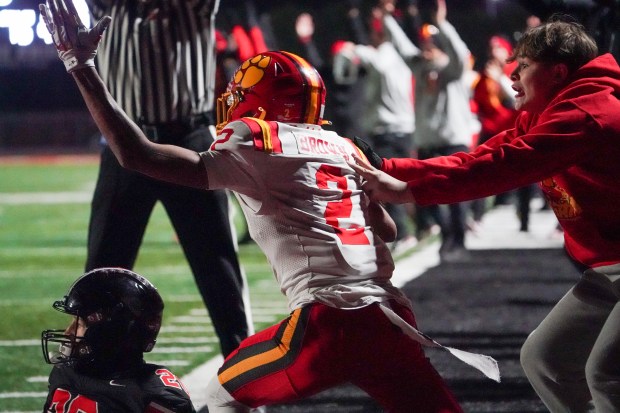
[[567, 139]]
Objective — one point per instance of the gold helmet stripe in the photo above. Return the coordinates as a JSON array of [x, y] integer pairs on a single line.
[[313, 110]]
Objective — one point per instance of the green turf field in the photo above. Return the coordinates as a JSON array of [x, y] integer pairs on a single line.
[[44, 211]]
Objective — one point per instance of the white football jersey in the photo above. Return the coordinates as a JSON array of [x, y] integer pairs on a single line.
[[305, 209]]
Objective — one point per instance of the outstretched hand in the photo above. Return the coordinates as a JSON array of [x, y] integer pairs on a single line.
[[372, 156], [379, 186], [76, 44]]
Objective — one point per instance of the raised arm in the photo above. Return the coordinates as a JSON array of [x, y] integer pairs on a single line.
[[131, 147], [451, 43], [406, 48], [77, 48]]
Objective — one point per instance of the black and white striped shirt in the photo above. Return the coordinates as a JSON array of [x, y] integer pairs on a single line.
[[158, 57]]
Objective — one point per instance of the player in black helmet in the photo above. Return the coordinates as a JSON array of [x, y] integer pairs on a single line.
[[98, 359]]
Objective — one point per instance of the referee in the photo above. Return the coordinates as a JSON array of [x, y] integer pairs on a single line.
[[159, 64]]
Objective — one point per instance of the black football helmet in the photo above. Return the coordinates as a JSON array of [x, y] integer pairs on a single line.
[[122, 311]]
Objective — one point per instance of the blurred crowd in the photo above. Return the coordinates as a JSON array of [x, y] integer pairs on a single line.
[[400, 76]]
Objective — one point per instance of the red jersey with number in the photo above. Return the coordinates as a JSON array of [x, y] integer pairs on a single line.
[[151, 389], [572, 149], [305, 209]]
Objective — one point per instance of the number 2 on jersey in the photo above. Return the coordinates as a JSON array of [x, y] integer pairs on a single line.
[[342, 208]]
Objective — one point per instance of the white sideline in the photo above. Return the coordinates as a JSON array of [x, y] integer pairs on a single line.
[[39, 198], [196, 381]]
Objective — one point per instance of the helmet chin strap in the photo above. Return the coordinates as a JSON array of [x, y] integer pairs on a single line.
[[262, 113]]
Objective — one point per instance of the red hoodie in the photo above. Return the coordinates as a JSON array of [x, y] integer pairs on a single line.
[[572, 149]]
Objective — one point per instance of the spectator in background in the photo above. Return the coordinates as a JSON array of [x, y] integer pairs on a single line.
[[321, 234], [443, 118], [304, 28], [246, 34], [494, 101], [99, 358], [163, 76], [239, 35], [388, 118], [407, 14], [567, 138], [345, 81], [493, 92]]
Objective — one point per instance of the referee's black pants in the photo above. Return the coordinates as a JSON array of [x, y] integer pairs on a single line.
[[121, 207]]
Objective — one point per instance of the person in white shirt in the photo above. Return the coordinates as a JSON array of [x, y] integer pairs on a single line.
[[443, 118], [388, 118]]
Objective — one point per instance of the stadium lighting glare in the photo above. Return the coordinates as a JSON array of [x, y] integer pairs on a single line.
[[82, 9], [42, 32], [23, 24], [19, 23]]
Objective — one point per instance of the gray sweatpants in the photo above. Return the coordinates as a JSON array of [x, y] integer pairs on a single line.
[[573, 358]]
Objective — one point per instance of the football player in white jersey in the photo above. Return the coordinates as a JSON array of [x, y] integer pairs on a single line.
[[323, 237]]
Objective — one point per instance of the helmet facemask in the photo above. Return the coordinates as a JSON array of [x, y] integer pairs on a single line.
[[227, 105], [62, 348]]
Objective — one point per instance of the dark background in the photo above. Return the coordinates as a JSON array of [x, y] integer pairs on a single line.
[[40, 82], [35, 88]]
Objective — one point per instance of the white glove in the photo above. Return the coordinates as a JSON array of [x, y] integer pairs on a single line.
[[76, 44]]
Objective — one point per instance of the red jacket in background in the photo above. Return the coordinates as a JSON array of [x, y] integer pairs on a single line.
[[493, 115]]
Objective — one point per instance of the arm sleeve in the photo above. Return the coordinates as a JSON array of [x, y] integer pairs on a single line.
[[232, 159], [455, 48], [402, 43], [512, 159], [366, 54]]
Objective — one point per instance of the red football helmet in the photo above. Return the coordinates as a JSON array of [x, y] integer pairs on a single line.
[[278, 86]]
